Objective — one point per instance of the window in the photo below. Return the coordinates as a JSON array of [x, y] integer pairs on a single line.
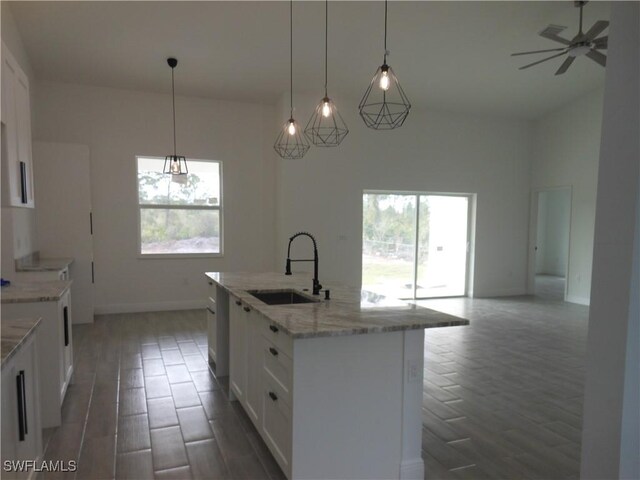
[[180, 214], [415, 245]]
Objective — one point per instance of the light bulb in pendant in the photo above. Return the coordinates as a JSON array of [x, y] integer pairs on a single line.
[[175, 166], [384, 79], [326, 108], [292, 127]]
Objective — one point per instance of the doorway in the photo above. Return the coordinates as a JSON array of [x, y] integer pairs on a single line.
[[415, 245], [551, 250]]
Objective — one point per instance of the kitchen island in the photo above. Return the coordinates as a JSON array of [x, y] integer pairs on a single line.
[[334, 387]]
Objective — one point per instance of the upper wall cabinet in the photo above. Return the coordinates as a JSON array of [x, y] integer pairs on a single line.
[[16, 134]]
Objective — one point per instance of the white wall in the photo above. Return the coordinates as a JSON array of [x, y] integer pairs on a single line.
[[117, 125], [554, 216], [18, 224], [432, 152], [610, 444], [565, 153]]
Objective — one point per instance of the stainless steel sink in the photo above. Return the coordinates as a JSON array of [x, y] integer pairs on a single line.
[[281, 297]]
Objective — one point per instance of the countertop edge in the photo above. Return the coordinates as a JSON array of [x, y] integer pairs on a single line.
[[454, 322], [14, 350], [36, 298]]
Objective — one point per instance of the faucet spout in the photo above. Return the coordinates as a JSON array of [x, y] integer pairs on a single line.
[[316, 283]]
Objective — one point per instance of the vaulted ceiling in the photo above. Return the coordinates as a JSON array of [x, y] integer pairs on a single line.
[[447, 55]]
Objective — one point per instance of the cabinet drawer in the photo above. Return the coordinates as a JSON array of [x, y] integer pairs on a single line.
[[278, 365], [275, 335], [276, 425]]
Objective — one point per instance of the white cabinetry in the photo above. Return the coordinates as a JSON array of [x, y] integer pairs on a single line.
[[218, 329], [237, 349], [55, 353], [16, 120], [21, 425]]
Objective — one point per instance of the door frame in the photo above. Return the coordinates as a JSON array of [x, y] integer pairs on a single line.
[[471, 234], [533, 237]]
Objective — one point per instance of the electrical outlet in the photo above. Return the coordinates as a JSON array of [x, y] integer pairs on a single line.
[[413, 371]]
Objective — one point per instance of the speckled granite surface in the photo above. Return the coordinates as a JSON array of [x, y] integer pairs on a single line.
[[44, 265], [23, 292], [13, 333], [350, 311]]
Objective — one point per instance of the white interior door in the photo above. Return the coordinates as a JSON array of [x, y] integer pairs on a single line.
[[62, 174]]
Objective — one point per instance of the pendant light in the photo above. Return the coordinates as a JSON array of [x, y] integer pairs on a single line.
[[326, 128], [384, 105], [290, 143], [174, 164]]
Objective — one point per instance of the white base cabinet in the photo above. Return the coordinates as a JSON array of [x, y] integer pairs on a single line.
[[218, 330], [21, 422], [330, 407], [56, 351]]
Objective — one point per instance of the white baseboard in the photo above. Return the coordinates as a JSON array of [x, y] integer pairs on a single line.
[[148, 307], [412, 469], [507, 292], [579, 300]]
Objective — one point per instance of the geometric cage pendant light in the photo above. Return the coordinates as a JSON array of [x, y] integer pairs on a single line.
[[291, 143], [174, 164], [326, 128], [384, 105]]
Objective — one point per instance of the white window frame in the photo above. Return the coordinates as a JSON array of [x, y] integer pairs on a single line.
[[218, 207]]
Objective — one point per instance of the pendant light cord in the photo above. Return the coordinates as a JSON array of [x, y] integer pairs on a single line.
[[326, 44], [385, 31], [291, 56], [173, 96]]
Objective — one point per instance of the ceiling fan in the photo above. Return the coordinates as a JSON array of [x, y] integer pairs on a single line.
[[582, 44]]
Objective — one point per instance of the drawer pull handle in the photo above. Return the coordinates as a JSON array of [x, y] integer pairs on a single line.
[[65, 313], [211, 311], [247, 309], [273, 328], [210, 283], [22, 406], [273, 351], [238, 302], [273, 396]]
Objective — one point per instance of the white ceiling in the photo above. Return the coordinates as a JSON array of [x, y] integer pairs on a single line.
[[447, 55]]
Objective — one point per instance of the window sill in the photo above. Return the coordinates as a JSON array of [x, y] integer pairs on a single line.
[[175, 256]]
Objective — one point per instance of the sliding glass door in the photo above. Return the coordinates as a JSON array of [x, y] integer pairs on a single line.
[[415, 245]]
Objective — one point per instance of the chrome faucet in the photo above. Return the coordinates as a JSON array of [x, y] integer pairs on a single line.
[[316, 283]]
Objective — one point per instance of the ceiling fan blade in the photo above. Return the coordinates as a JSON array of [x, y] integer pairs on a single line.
[[597, 57], [596, 29], [551, 33], [601, 42], [538, 51], [565, 65], [543, 60]]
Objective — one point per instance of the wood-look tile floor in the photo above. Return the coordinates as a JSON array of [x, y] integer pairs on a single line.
[[502, 398]]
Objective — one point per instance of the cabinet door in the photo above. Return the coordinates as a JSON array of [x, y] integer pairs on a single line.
[[23, 119], [66, 338], [238, 349], [10, 130], [27, 368], [9, 424], [254, 368]]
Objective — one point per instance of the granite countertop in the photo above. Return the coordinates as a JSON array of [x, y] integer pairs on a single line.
[[45, 265], [13, 334], [23, 292], [350, 311]]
